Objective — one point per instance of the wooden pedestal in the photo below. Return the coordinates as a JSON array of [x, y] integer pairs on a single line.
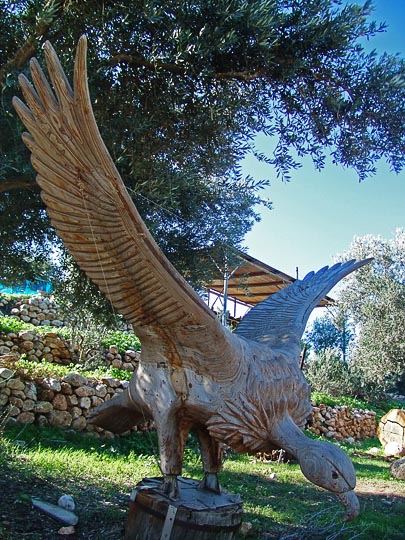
[[196, 515]]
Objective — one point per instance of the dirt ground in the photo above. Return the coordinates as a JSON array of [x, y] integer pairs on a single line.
[[19, 520]]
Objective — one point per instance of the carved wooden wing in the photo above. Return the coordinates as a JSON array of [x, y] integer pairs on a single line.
[[100, 226], [281, 319]]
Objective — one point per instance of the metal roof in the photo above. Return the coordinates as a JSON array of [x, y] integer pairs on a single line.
[[251, 281]]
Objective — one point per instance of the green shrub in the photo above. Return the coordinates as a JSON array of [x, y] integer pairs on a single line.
[[328, 374], [45, 369], [11, 324], [123, 340]]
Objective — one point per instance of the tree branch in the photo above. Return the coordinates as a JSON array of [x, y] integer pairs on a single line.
[[139, 60], [30, 45], [18, 182]]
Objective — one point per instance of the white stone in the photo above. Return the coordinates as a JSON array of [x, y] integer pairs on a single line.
[[66, 501], [6, 373]]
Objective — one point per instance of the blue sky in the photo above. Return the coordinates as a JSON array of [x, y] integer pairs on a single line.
[[317, 214]]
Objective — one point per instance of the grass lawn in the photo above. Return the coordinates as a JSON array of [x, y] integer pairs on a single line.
[[100, 474]]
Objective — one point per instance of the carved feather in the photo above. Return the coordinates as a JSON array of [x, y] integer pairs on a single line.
[[281, 319], [100, 226]]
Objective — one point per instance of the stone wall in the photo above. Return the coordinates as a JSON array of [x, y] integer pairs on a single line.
[[65, 402], [341, 423], [55, 349], [39, 310]]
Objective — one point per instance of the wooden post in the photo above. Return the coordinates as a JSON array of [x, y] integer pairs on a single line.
[[196, 515]]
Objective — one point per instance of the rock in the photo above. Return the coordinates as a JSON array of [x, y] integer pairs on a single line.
[[59, 402], [72, 400], [75, 412], [75, 379], [43, 407], [15, 384], [66, 530], [85, 402], [67, 502], [397, 469], [96, 401], [26, 418], [111, 382], [246, 529], [61, 419], [101, 390], [26, 335], [27, 345], [394, 449], [79, 423], [53, 384], [17, 402], [30, 391], [85, 391], [66, 388], [6, 373], [117, 363], [28, 405]]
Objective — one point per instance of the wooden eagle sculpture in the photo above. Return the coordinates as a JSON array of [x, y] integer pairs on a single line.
[[241, 389]]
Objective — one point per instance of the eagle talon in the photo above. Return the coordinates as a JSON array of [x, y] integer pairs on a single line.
[[210, 483], [170, 486]]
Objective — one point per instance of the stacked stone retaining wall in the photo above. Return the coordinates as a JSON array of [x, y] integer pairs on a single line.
[[39, 310], [55, 349], [68, 401]]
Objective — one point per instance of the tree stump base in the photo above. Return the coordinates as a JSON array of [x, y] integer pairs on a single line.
[[196, 515]]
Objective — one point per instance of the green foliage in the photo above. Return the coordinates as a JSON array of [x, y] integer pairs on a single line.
[[374, 296], [32, 369], [328, 373], [180, 89], [123, 340], [332, 331], [11, 324]]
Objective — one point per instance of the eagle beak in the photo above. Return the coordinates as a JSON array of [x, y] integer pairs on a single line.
[[351, 503]]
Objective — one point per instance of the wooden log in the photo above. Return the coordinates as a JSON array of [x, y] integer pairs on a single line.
[[196, 515]]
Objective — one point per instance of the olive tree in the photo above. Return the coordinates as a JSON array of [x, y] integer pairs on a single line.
[[375, 298], [181, 88]]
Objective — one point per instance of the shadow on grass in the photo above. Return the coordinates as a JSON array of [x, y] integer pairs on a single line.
[[274, 507]]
